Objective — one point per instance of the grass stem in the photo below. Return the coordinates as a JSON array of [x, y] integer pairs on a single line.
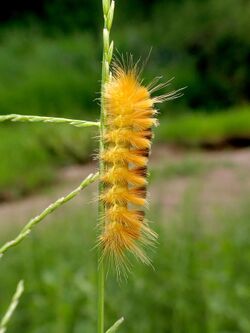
[[35, 119], [108, 13], [13, 304], [58, 203]]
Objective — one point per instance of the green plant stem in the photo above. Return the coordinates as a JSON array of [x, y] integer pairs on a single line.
[[13, 304], [28, 227], [108, 13], [101, 295], [33, 119], [100, 274], [115, 326]]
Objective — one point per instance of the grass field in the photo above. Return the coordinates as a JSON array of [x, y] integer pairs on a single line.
[[200, 200], [46, 76], [31, 155], [207, 129], [42, 75], [200, 280], [200, 206], [30, 148], [59, 76]]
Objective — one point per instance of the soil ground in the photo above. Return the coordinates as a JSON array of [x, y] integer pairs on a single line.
[[222, 177]]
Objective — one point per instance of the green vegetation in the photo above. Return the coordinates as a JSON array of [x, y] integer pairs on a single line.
[[192, 165], [49, 66], [31, 154], [42, 75], [203, 44], [200, 282], [200, 129], [57, 75]]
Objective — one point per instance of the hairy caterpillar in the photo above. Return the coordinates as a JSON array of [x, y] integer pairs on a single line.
[[130, 116]]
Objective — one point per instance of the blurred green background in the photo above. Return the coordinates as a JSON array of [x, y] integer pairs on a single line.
[[50, 62]]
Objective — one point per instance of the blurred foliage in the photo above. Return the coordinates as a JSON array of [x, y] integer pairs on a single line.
[[50, 64], [50, 55], [204, 44], [200, 282], [192, 165], [228, 128], [31, 154], [40, 75]]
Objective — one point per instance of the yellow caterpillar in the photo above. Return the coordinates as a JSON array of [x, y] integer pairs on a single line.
[[130, 116]]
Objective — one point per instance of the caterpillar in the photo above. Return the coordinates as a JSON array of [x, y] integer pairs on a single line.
[[130, 117]]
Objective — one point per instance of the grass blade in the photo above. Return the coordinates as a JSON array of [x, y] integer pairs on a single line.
[[28, 227], [14, 303], [35, 119], [115, 326]]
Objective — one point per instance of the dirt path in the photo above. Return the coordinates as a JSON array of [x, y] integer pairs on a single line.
[[220, 180], [222, 177], [68, 179]]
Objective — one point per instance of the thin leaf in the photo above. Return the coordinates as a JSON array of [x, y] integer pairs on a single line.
[[35, 119], [115, 326], [11, 308], [28, 227]]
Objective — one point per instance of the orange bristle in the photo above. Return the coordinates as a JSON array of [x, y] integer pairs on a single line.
[[123, 156], [116, 175], [126, 136], [130, 116], [138, 122], [118, 194], [124, 215]]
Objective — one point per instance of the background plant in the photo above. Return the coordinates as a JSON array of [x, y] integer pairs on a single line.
[[108, 11], [49, 65], [39, 45]]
